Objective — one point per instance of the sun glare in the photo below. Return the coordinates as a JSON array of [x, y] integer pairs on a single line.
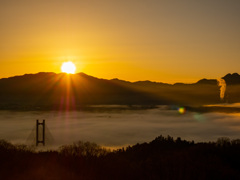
[[68, 67]]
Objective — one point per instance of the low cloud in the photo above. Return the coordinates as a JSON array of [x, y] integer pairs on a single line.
[[118, 128]]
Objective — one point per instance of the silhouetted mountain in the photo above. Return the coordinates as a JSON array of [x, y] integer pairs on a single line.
[[232, 79], [207, 81], [62, 91]]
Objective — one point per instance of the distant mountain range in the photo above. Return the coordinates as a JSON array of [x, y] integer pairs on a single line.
[[61, 91]]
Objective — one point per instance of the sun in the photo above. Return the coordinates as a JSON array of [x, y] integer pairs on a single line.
[[68, 67]]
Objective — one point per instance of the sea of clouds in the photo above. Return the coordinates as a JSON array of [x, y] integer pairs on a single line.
[[116, 129]]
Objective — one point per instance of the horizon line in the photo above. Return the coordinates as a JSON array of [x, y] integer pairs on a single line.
[[115, 78]]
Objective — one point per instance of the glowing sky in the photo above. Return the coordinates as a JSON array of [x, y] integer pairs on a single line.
[[159, 40]]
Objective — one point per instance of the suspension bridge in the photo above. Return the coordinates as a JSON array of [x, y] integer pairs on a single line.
[[40, 135]]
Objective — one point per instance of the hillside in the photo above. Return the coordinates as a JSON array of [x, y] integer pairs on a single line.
[[61, 91], [163, 158]]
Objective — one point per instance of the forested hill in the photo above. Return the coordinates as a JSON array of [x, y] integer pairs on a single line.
[[163, 158], [60, 90]]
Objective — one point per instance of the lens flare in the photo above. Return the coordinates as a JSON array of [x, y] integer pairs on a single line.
[[181, 110], [199, 117]]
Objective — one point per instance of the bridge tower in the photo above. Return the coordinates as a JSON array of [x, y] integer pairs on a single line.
[[40, 132]]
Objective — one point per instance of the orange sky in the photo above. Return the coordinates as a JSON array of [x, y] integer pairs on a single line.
[[158, 40]]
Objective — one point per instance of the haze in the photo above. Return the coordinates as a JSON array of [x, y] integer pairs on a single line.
[[118, 128]]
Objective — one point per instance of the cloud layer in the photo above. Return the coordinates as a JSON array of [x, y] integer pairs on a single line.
[[118, 128]]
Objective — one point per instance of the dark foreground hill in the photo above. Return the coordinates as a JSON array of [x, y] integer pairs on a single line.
[[62, 91], [162, 158]]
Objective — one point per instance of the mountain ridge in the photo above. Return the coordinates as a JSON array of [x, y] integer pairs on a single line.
[[230, 79], [59, 91]]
